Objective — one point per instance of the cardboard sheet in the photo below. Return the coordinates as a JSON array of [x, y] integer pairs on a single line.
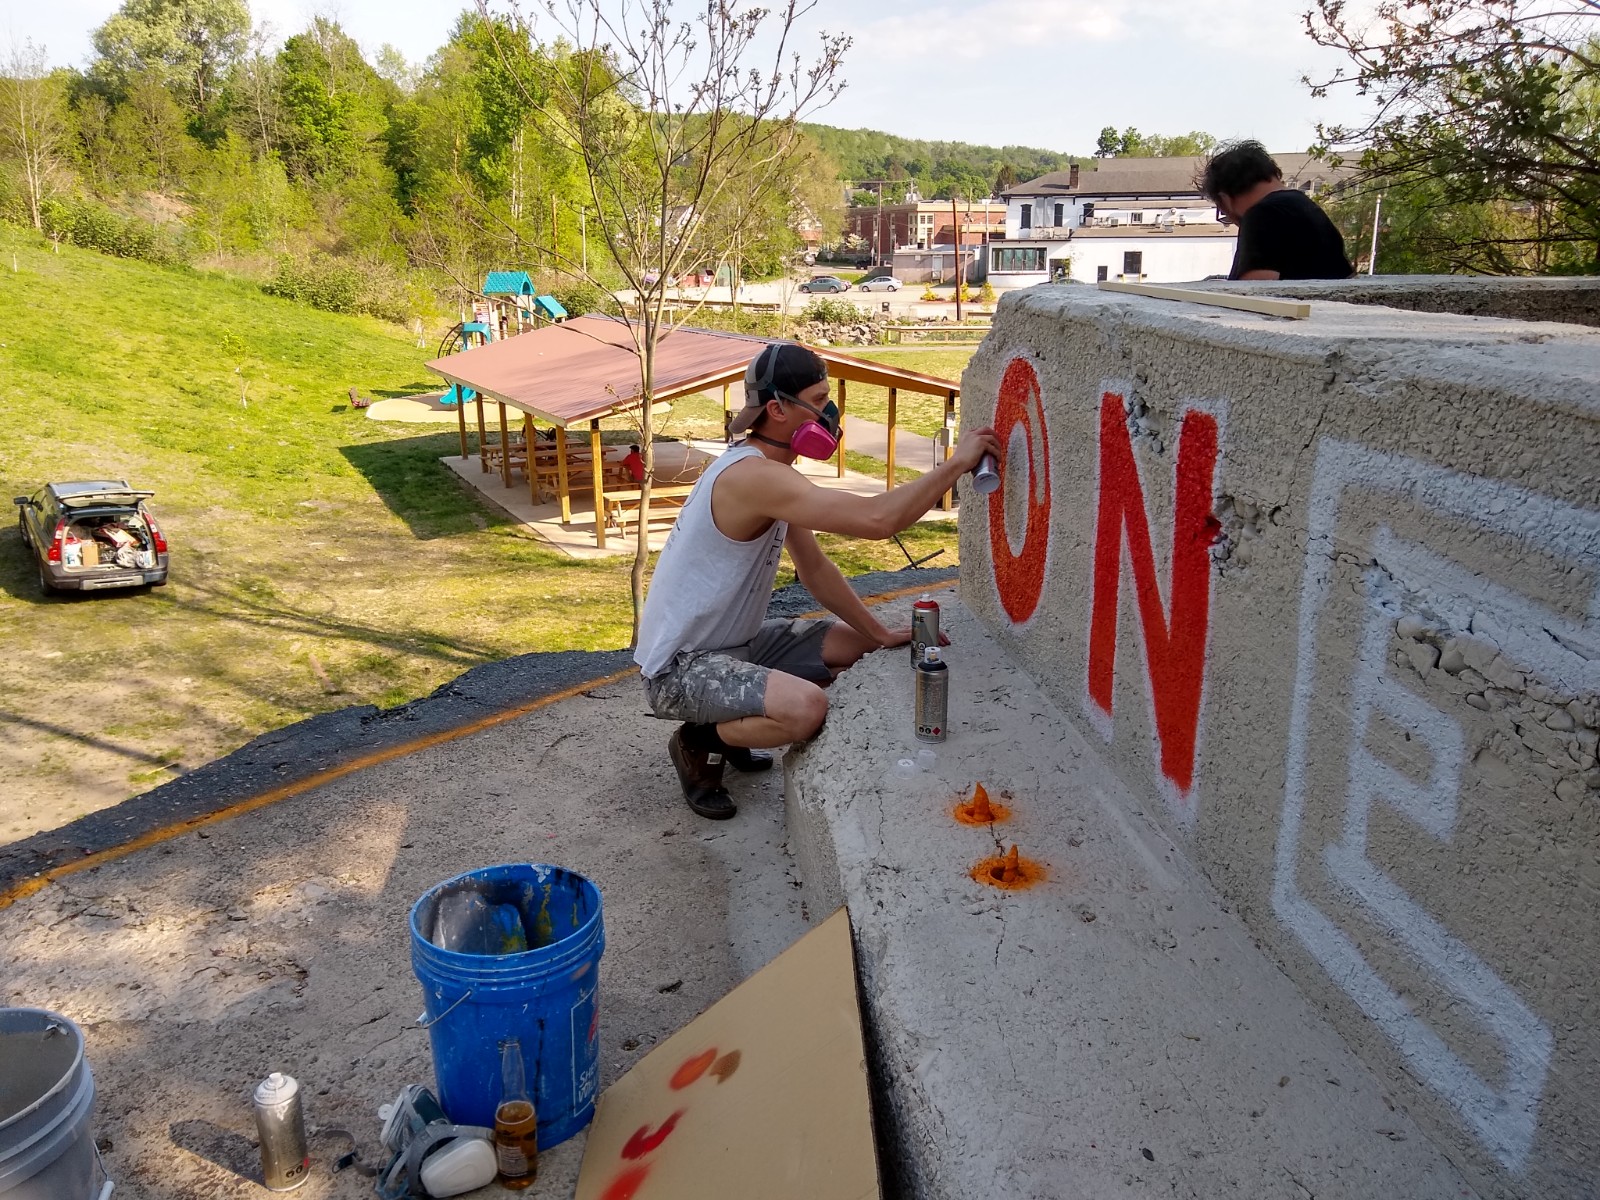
[[762, 1095]]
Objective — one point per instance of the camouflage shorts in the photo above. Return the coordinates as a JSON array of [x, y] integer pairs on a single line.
[[705, 687]]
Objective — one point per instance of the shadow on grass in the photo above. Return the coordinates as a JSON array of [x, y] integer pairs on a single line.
[[407, 476], [83, 739], [428, 387], [243, 606]]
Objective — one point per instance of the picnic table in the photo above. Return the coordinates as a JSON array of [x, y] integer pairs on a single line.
[[664, 497]]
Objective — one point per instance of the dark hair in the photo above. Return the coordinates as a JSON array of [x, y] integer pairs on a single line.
[[1234, 169], [635, 449]]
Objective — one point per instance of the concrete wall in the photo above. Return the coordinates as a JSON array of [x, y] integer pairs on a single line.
[[1331, 588], [1564, 298]]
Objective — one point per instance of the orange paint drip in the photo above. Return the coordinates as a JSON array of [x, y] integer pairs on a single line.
[[980, 810], [725, 1066], [1009, 871]]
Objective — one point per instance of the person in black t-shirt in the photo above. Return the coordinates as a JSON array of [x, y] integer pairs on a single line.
[[1282, 232]]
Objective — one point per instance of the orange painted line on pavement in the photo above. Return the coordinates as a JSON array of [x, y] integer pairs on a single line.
[[36, 883]]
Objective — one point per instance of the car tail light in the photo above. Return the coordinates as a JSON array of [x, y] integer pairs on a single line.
[[155, 532], [54, 553]]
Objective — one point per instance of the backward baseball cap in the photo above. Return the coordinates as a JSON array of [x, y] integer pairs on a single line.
[[786, 367]]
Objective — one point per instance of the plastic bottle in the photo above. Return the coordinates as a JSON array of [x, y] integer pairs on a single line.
[[516, 1124]]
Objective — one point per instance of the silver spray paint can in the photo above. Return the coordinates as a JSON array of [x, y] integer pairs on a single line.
[[986, 478], [924, 626], [285, 1161], [932, 696]]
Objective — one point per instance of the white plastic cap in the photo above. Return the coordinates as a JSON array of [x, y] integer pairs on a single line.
[[931, 654], [276, 1088]]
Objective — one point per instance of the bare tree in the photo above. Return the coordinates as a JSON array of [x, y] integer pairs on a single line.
[[681, 111], [33, 123]]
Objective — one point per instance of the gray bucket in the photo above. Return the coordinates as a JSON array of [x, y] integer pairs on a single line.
[[46, 1092]]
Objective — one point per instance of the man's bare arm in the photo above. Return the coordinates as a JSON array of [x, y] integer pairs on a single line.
[[823, 579], [774, 492]]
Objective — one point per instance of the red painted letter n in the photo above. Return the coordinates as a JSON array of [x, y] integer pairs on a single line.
[[1175, 638]]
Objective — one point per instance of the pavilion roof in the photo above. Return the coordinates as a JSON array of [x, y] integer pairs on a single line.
[[587, 368]]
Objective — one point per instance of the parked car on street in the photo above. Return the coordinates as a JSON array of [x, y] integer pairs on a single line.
[[92, 534], [825, 283], [883, 283]]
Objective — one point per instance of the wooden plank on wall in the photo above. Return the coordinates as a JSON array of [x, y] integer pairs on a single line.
[[1295, 310]]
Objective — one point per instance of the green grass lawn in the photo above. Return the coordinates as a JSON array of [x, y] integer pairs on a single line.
[[914, 411], [319, 559]]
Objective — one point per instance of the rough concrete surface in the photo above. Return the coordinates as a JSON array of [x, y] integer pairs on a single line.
[[276, 940], [1331, 590], [1113, 1031]]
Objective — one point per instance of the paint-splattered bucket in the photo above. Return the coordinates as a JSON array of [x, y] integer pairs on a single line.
[[547, 997], [46, 1091]]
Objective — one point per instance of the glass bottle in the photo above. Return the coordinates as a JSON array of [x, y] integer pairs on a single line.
[[516, 1124]]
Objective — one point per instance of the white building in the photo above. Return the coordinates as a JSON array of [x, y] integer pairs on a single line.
[[1135, 219]]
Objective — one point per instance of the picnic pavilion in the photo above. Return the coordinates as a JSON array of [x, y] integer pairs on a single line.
[[586, 369]]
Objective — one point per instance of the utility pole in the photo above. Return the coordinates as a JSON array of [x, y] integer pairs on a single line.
[[955, 234], [1372, 256]]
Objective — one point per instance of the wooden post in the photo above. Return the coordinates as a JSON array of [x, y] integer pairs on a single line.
[[483, 454], [505, 449], [597, 464], [888, 480], [841, 430], [527, 448], [947, 501], [562, 484], [461, 420], [727, 412]]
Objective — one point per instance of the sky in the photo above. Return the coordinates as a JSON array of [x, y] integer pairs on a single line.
[[1042, 73]]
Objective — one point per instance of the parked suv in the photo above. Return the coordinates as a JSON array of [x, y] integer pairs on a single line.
[[90, 535]]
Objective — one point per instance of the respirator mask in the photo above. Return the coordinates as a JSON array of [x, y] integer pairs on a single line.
[[817, 439]]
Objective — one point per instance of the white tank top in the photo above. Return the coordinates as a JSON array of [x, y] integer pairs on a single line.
[[709, 592]]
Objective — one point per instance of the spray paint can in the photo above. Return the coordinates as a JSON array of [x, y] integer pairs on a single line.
[[924, 626], [986, 478], [932, 696], [285, 1161]]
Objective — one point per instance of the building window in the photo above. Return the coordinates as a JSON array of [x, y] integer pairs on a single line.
[[1137, 216], [1027, 216], [1016, 258], [1100, 274], [1133, 262], [1061, 215]]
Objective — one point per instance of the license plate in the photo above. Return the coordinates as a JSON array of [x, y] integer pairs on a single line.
[[114, 581]]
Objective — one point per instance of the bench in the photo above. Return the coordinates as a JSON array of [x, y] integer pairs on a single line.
[[899, 334], [666, 497]]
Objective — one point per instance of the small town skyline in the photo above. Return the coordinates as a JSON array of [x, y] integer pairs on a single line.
[[1040, 73]]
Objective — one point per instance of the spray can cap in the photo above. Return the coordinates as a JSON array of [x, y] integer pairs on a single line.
[[931, 654], [276, 1088], [925, 601]]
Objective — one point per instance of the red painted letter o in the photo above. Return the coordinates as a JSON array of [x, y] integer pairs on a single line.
[[1019, 578]]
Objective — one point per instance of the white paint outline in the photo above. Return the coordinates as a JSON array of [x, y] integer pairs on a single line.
[[1505, 1120], [1184, 806]]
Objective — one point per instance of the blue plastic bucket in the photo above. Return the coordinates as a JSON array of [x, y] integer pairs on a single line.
[[547, 997]]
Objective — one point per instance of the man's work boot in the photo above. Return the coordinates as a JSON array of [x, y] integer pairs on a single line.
[[700, 772], [743, 759]]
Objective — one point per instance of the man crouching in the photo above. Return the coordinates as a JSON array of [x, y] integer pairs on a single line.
[[709, 656]]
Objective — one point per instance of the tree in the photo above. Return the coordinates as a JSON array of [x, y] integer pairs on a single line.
[[1106, 146], [1486, 103], [33, 124], [187, 45], [1004, 178], [677, 123], [150, 145]]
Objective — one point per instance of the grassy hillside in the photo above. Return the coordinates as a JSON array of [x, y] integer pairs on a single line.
[[319, 559]]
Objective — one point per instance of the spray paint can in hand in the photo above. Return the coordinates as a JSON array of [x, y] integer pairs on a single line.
[[933, 696], [924, 627], [986, 478], [285, 1161]]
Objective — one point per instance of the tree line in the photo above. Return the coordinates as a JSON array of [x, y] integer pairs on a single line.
[[356, 183]]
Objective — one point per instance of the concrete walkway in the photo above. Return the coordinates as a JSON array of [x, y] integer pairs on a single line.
[[871, 438]]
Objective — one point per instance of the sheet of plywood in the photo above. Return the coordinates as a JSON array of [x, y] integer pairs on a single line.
[[762, 1095]]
